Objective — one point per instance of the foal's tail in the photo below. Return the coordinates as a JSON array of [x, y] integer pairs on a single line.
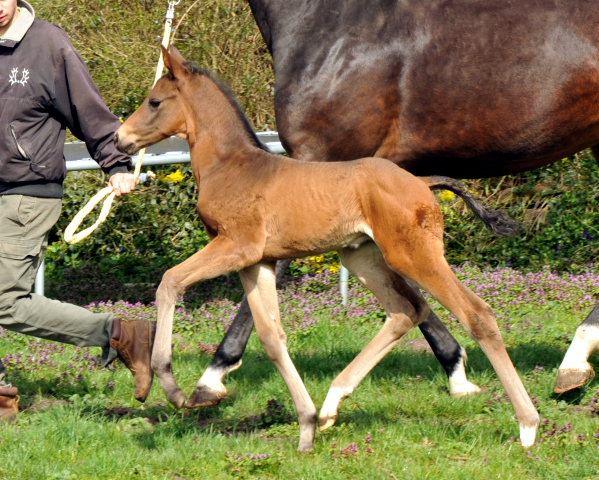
[[495, 220]]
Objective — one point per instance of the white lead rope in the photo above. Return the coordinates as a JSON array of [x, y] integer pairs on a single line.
[[69, 234]]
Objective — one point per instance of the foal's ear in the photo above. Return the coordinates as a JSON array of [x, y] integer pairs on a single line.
[[174, 62], [176, 54]]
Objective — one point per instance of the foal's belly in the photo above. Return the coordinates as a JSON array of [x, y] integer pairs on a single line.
[[321, 239]]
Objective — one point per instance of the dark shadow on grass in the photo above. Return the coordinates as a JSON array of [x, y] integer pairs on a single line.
[[168, 423], [400, 367], [404, 363], [53, 389]]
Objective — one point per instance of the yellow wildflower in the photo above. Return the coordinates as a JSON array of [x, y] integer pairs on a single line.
[[175, 177], [446, 195]]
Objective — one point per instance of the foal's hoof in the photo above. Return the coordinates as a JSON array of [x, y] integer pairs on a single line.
[[528, 436], [569, 379], [305, 448], [326, 422], [177, 399], [205, 396]]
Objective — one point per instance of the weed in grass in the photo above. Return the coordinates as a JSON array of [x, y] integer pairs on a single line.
[[246, 465]]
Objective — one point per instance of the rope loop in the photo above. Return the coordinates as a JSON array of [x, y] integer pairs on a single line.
[[170, 13], [69, 234]]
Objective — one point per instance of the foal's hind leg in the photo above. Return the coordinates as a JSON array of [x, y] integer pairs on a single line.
[[405, 309], [427, 267], [260, 287], [368, 264]]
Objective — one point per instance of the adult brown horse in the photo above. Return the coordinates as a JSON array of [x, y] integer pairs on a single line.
[[463, 88]]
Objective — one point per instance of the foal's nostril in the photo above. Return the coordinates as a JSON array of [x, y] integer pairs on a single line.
[[116, 138]]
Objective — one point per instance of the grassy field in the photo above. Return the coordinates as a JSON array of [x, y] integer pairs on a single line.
[[79, 421]]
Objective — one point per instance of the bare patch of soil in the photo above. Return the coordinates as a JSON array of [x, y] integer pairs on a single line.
[[417, 345], [45, 404]]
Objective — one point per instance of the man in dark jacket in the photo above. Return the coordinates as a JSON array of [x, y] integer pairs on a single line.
[[44, 88]]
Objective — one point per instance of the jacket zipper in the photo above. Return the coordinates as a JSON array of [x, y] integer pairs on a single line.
[[21, 150]]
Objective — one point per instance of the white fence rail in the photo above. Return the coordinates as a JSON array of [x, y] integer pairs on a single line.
[[170, 151]]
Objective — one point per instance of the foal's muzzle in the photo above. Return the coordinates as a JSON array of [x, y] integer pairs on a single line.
[[128, 148]]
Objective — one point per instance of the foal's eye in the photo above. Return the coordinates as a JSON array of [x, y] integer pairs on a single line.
[[154, 103]]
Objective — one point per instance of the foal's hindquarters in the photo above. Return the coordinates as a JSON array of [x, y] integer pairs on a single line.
[[408, 233]]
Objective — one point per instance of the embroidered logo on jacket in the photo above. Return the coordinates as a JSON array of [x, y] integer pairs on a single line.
[[13, 76]]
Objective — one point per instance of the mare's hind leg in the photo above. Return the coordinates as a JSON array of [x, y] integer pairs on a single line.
[[449, 352], [426, 266], [575, 370], [260, 287], [405, 309]]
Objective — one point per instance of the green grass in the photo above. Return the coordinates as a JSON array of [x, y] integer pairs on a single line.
[[75, 429]]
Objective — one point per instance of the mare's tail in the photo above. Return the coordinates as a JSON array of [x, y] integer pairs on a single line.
[[495, 220]]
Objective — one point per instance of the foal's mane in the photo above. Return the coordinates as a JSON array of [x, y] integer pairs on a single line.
[[230, 96]]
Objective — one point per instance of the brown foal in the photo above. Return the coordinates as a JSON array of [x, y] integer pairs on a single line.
[[259, 208]]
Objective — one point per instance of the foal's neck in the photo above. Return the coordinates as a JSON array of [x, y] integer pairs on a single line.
[[216, 129]]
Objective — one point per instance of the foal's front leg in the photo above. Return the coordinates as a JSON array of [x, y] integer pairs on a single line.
[[210, 389], [220, 256], [260, 288]]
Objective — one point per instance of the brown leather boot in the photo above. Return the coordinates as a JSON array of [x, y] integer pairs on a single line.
[[133, 342], [9, 404]]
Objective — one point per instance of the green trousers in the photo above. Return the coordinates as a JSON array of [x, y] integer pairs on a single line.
[[24, 226]]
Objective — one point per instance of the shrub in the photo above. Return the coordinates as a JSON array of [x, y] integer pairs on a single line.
[[556, 206]]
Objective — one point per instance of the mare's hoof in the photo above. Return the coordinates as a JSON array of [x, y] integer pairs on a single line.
[[326, 422], [205, 396], [464, 390], [569, 379]]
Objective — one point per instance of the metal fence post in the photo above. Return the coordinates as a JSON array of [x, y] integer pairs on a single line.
[[39, 279], [343, 284]]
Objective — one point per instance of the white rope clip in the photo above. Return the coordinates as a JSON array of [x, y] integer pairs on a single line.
[[170, 13]]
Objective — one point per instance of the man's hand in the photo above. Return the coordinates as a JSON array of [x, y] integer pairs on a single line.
[[122, 183]]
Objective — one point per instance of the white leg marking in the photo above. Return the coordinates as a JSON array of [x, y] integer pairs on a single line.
[[586, 342], [459, 386], [213, 377], [528, 436], [330, 407]]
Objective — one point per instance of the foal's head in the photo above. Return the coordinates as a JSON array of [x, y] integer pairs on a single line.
[[163, 113], [184, 102]]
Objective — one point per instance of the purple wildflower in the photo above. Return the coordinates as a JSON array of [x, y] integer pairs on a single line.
[[350, 450]]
